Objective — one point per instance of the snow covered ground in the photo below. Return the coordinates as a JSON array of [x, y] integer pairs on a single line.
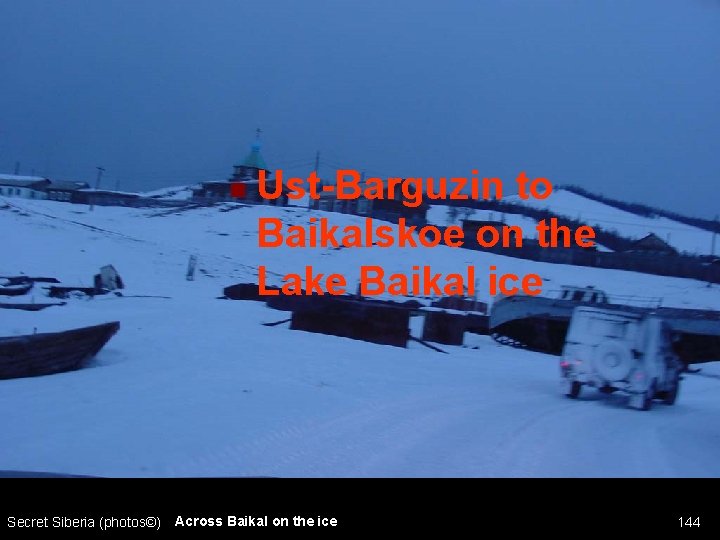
[[197, 386]]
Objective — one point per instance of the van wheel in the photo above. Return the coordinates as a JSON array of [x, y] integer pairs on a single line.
[[646, 402], [574, 391], [647, 397], [671, 395]]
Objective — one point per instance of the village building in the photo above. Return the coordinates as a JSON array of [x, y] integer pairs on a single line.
[[246, 173], [26, 187], [59, 190], [385, 209], [652, 244], [103, 197], [38, 187]]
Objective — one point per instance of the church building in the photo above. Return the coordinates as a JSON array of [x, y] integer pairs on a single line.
[[246, 173]]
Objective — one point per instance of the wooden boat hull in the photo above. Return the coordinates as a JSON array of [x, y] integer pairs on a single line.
[[540, 324], [65, 292], [18, 280], [43, 354], [29, 307], [15, 290]]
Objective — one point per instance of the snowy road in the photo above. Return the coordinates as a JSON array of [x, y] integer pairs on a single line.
[[275, 402]]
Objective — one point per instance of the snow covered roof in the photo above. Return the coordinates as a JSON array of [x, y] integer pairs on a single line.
[[67, 185], [172, 192], [19, 178], [22, 181]]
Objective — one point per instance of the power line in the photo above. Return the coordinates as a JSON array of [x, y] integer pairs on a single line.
[[600, 219]]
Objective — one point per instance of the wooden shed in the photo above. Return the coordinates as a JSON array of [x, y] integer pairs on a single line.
[[353, 318]]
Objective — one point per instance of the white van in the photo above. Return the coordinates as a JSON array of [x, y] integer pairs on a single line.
[[619, 350]]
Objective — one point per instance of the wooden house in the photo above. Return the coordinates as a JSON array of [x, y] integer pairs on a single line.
[[26, 187], [384, 209], [652, 244], [63, 191]]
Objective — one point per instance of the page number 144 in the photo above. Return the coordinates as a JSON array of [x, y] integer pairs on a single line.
[[689, 521]]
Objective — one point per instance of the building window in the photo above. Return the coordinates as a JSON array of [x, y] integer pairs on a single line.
[[324, 205], [363, 206], [337, 205]]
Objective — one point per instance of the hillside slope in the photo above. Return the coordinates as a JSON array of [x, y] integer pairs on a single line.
[[683, 237]]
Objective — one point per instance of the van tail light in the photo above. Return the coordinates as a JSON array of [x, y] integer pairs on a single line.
[[564, 364]]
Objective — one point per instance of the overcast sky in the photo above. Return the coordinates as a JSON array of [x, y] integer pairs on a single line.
[[621, 97]]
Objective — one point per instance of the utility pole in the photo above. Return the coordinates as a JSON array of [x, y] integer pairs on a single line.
[[17, 168], [715, 228], [317, 168], [100, 172]]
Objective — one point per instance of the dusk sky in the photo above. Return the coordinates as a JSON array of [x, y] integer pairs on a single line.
[[620, 97]]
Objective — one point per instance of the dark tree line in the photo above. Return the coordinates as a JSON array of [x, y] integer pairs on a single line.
[[645, 210], [607, 238]]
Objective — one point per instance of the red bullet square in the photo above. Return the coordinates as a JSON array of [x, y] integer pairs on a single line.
[[238, 189]]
